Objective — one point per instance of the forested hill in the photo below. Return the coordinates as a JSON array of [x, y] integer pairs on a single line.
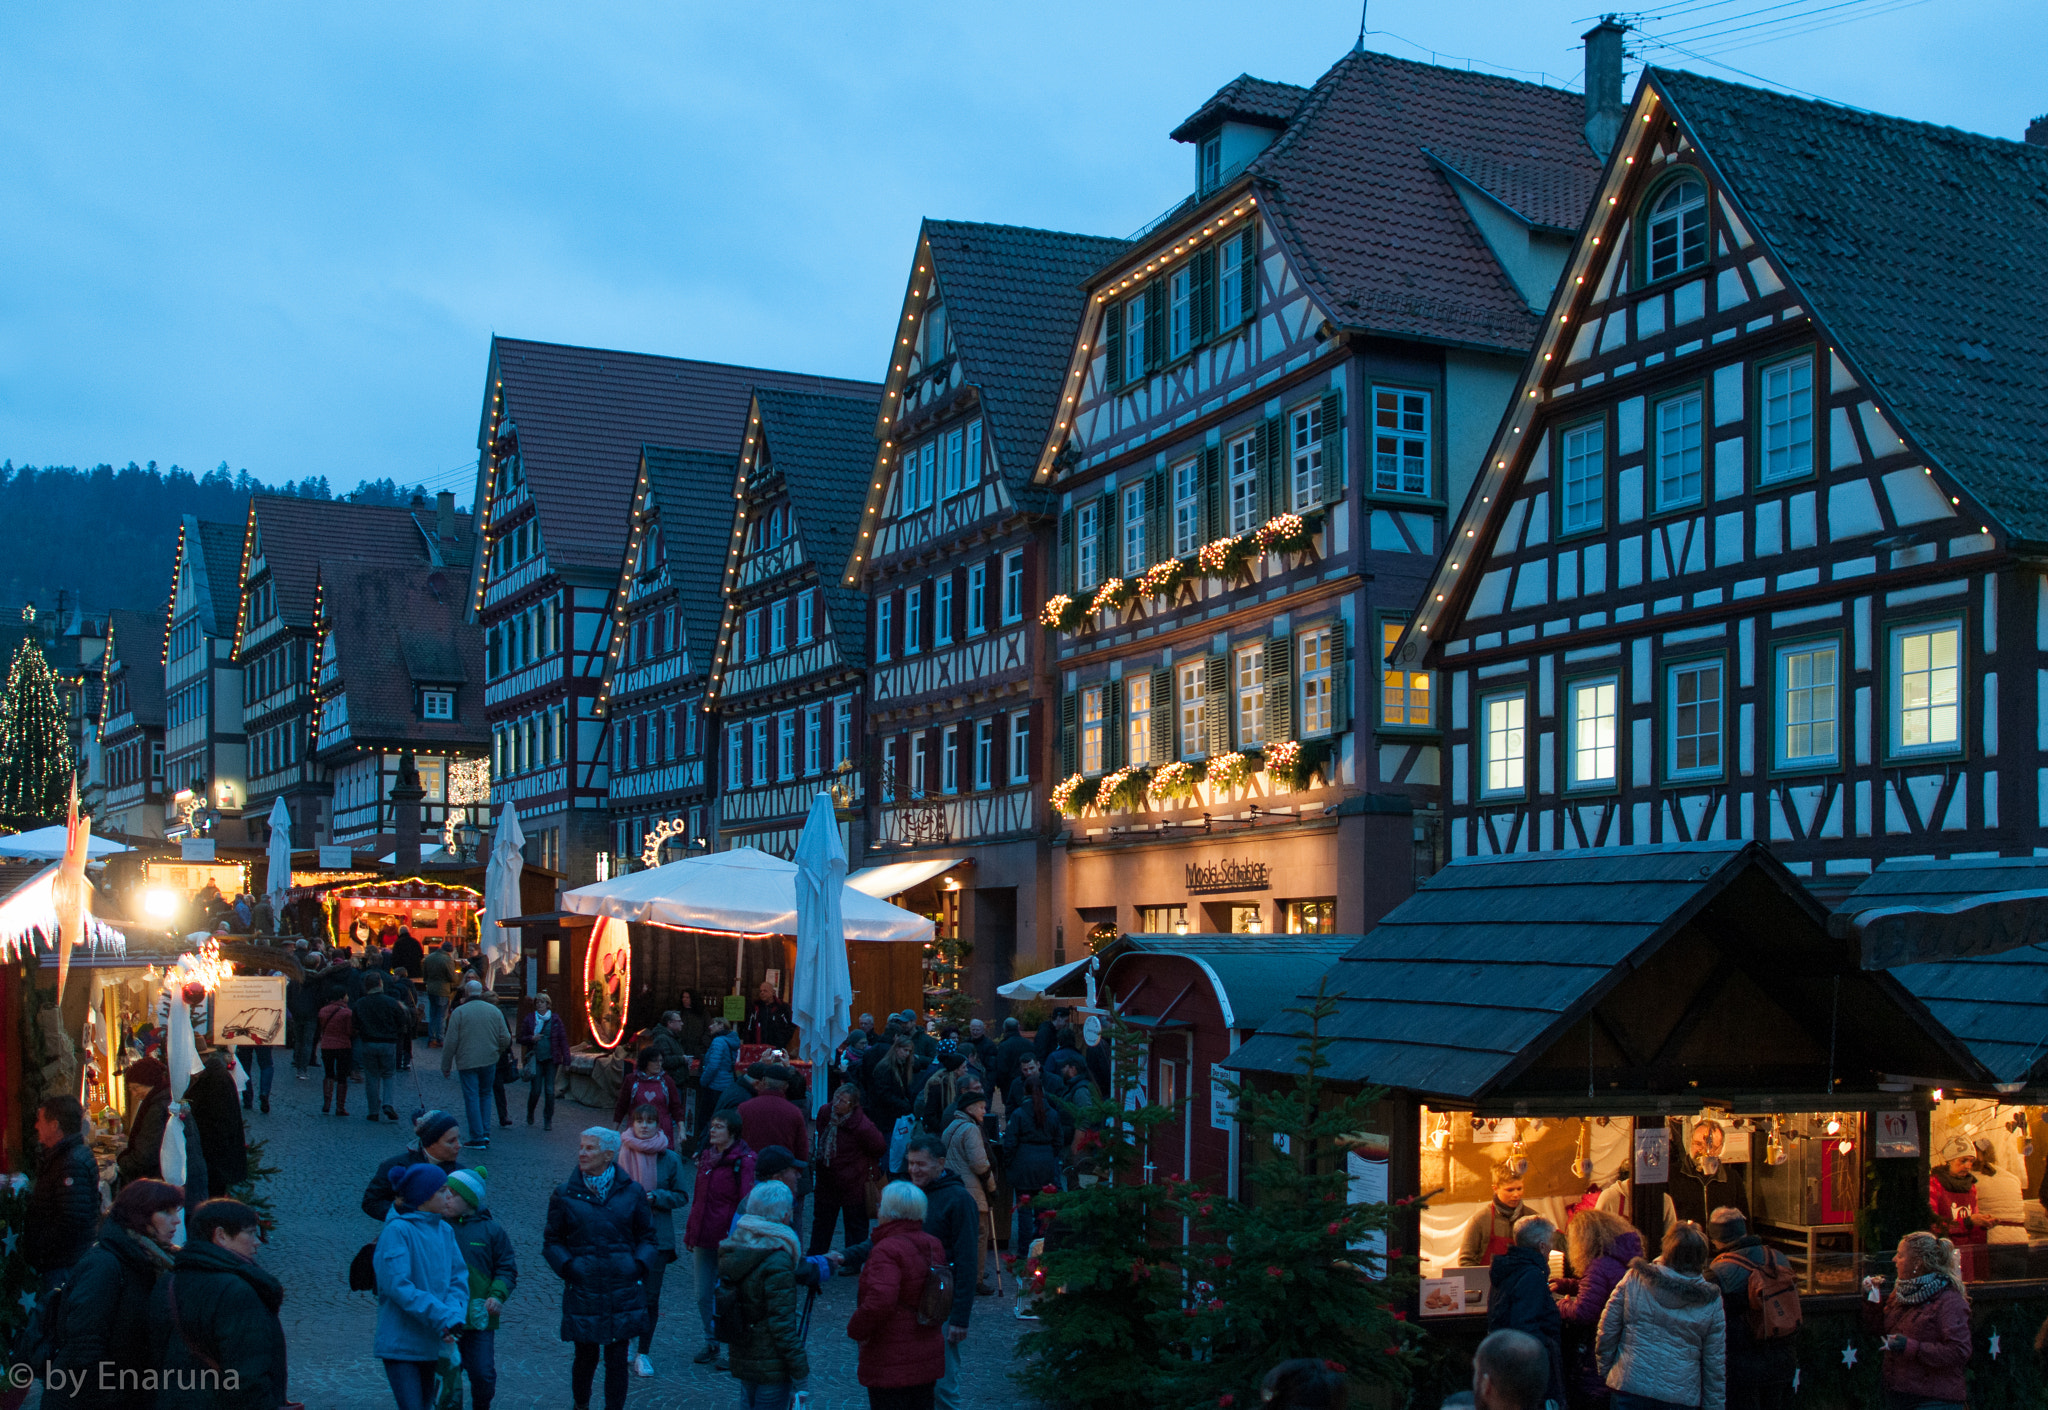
[[107, 535]]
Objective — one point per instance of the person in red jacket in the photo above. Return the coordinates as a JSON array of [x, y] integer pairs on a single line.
[[337, 1024], [849, 1148], [900, 1361], [772, 1119], [1926, 1324], [725, 1177], [650, 1086]]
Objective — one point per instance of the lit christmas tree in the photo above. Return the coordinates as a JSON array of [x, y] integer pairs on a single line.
[[35, 750]]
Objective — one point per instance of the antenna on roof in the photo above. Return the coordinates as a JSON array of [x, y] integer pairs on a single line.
[[1363, 6]]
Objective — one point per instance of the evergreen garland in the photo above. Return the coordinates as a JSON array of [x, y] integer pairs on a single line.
[[35, 749]]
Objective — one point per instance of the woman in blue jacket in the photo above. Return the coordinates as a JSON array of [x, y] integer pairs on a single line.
[[422, 1284], [719, 1060]]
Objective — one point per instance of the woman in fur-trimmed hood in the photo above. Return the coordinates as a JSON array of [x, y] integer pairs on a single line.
[[1664, 1335]]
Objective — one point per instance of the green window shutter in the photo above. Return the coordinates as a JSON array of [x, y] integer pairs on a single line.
[[1113, 345], [1109, 549], [1272, 478], [1202, 295], [1216, 708], [1112, 725], [1340, 681], [1331, 487], [1162, 717], [1248, 270], [1155, 324], [1157, 545], [1212, 494], [1066, 551], [1070, 735], [1279, 688]]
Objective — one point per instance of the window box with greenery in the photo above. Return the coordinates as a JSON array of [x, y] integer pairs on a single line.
[[1073, 794], [1289, 533], [1229, 558], [1177, 782], [1228, 771], [1113, 596], [1124, 790], [1294, 763], [1062, 613], [1164, 581]]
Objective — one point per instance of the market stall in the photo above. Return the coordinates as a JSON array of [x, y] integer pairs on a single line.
[[358, 912]]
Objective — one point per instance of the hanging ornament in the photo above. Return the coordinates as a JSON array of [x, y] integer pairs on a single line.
[[1849, 1354], [1994, 1346]]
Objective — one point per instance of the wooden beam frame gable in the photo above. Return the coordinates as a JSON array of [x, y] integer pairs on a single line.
[[924, 275]]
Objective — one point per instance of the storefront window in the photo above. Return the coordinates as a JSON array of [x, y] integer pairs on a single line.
[[1316, 917], [1163, 920], [1246, 920]]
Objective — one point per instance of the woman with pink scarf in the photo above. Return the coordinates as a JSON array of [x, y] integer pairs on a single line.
[[645, 1157]]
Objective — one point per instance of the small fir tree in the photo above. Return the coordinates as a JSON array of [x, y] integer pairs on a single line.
[[1111, 1265], [35, 749], [1296, 1270]]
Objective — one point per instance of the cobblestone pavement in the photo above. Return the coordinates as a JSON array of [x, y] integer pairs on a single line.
[[323, 1164]]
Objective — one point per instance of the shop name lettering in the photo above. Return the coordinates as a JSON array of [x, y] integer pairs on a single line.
[[1227, 876]]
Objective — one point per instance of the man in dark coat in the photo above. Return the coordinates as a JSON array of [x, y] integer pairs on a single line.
[[954, 1219], [63, 1215], [217, 1308], [406, 952], [1759, 1372], [380, 1021], [1520, 1299], [1009, 1052], [437, 1140], [599, 1239], [102, 1321], [217, 1112]]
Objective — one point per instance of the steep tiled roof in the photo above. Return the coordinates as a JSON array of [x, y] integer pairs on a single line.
[[693, 492], [299, 533], [138, 645], [1014, 299], [1542, 193], [1923, 249], [396, 628], [824, 448], [1244, 99], [1374, 227], [584, 413], [220, 550]]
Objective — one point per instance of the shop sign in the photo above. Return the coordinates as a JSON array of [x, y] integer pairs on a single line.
[[337, 858], [1653, 1156], [1898, 1134], [1222, 1104], [1228, 876], [1365, 1171], [248, 1010], [195, 849]]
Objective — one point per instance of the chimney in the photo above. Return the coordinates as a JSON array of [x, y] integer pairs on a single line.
[[1605, 112], [444, 514], [406, 796], [2037, 131]]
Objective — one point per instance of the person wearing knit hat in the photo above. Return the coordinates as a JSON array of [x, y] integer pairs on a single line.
[[422, 1284], [493, 1273], [437, 1140]]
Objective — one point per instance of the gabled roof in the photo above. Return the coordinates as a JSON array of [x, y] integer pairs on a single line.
[[1244, 99], [1923, 249], [1471, 980], [395, 629], [1374, 229], [691, 490], [1257, 976], [298, 534], [585, 413], [220, 551], [136, 642], [1542, 194]]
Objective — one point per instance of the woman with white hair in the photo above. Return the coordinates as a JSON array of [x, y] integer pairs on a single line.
[[599, 1239], [1520, 1299], [901, 1359], [759, 1258]]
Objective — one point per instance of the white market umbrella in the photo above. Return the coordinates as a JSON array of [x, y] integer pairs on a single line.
[[821, 1000], [278, 880], [46, 844], [501, 892], [741, 890]]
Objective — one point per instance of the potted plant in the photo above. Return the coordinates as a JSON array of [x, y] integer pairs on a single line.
[[1293, 763]]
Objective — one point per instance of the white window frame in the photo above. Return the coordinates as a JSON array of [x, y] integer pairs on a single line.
[[1785, 420], [1088, 545], [814, 739], [1582, 477], [437, 704], [1134, 530], [1680, 430], [942, 611], [1504, 744], [1013, 586], [1186, 483], [759, 743], [1671, 228], [1674, 732], [949, 474], [1401, 434], [753, 638], [1923, 691], [970, 472], [778, 627], [1092, 726], [1180, 312], [842, 730], [1138, 720], [1248, 687], [949, 759], [916, 779], [1241, 485], [1191, 707], [1305, 458], [1813, 651], [1230, 309], [977, 599], [735, 756], [1317, 674], [806, 615], [913, 620], [1020, 746], [927, 473], [1592, 732], [1134, 340]]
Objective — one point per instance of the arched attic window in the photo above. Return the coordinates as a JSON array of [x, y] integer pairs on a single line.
[[1677, 227]]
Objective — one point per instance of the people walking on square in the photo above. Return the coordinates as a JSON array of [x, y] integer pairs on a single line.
[[218, 1119], [1925, 1320], [759, 1259], [302, 1006], [62, 1218], [1035, 1134], [380, 1021], [101, 1329], [967, 1157], [1520, 1299], [599, 1239], [544, 1049], [213, 1317], [1305, 1383], [1601, 1245], [849, 1155], [1664, 1337], [1510, 1371], [437, 970], [725, 1177], [647, 1158], [720, 1057], [337, 1052], [259, 1067], [437, 1140], [901, 1359], [422, 1286], [475, 1038], [493, 1274], [649, 1085]]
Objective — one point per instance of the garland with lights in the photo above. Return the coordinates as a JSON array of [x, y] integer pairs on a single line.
[[35, 750]]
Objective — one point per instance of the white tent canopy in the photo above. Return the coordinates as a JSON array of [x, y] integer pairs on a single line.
[[895, 878], [741, 890], [1041, 984], [47, 844]]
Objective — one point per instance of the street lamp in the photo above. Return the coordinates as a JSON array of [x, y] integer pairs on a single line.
[[469, 839]]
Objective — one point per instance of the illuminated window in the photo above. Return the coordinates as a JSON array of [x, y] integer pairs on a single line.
[[1405, 696], [1808, 703], [1594, 731], [1091, 730], [1138, 720], [1313, 917], [1503, 743], [1927, 687]]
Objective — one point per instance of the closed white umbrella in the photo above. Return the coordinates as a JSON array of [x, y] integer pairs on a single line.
[[821, 1000], [279, 879], [501, 892]]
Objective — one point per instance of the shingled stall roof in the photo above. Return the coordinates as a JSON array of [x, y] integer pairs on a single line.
[[1647, 973], [824, 449], [138, 646], [298, 534], [692, 494], [1376, 230], [1923, 250], [1255, 976], [397, 629], [1994, 1000], [584, 414]]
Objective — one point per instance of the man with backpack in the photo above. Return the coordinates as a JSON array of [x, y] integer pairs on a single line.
[[1761, 1297]]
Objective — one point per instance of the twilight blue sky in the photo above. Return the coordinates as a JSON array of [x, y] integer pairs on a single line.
[[281, 235]]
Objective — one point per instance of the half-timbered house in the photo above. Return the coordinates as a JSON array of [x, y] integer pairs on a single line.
[[1759, 553], [204, 748], [131, 726], [277, 642], [786, 676], [561, 437], [666, 609], [400, 671], [1276, 392], [948, 555]]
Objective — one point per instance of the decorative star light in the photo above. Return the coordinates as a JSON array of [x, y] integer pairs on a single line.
[[1994, 1346], [8, 1242], [1849, 1355], [27, 1301]]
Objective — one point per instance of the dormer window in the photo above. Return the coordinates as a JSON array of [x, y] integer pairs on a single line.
[[437, 704], [1678, 228], [934, 333], [1211, 163]]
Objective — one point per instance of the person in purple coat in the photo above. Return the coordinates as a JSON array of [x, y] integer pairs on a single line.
[[1600, 1245]]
